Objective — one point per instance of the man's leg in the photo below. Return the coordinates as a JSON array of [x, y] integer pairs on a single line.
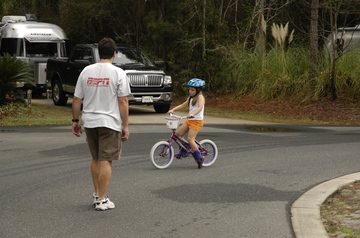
[[95, 175], [101, 172], [109, 149], [103, 181], [105, 172], [92, 140]]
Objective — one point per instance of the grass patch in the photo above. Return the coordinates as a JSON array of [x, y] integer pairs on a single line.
[[243, 115], [261, 117], [40, 115], [17, 114], [235, 114]]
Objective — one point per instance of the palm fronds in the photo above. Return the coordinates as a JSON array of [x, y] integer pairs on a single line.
[[12, 71]]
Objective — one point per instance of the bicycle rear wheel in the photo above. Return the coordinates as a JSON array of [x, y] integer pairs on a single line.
[[162, 155], [209, 150]]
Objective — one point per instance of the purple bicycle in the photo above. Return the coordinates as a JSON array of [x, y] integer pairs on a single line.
[[162, 153]]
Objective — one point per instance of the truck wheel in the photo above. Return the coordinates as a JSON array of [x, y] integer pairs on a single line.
[[163, 108], [58, 94]]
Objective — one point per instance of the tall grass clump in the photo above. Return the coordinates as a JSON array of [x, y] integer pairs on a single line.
[[242, 70], [348, 74], [282, 71], [285, 73]]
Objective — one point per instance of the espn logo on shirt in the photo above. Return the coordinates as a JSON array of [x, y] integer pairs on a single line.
[[98, 82]]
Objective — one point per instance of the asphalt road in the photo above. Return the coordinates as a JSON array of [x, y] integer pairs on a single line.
[[45, 184]]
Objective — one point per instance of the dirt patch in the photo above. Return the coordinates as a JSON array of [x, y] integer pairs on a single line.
[[341, 212], [340, 111]]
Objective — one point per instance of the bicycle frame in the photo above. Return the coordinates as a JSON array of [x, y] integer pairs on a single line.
[[182, 142]]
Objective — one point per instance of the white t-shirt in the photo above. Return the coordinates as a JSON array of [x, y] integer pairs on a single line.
[[99, 85], [200, 115]]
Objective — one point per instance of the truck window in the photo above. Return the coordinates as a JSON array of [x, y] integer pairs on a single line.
[[12, 46], [88, 55], [132, 56], [77, 54], [63, 51]]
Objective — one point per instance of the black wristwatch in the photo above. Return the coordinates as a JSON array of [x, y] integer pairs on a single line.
[[75, 120]]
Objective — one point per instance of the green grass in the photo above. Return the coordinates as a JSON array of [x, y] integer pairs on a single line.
[[39, 115], [261, 117], [15, 114], [46, 115], [244, 115]]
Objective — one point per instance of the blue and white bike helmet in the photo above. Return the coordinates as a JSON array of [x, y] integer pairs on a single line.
[[196, 83]]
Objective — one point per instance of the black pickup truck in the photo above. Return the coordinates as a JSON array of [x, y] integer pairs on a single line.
[[149, 84]]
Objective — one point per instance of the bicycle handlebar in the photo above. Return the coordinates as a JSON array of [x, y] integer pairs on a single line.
[[180, 117]]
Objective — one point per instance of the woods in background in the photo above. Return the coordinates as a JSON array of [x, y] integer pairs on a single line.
[[236, 46]]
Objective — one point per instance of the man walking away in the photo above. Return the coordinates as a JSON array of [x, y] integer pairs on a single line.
[[102, 88]]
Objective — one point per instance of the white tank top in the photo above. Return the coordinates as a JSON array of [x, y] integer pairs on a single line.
[[200, 115]]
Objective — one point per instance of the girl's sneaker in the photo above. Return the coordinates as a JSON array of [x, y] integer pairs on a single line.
[[102, 205], [200, 162], [198, 158]]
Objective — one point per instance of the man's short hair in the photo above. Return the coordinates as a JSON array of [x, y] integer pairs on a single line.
[[107, 48]]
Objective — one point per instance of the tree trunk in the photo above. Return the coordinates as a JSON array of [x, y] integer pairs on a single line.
[[236, 22], [260, 44], [332, 81], [333, 23], [314, 38], [204, 30]]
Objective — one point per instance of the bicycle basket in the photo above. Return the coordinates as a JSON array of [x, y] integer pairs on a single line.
[[172, 122]]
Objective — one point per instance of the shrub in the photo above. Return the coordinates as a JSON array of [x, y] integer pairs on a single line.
[[12, 71]]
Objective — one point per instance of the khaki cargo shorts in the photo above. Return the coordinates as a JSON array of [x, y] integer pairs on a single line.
[[104, 143]]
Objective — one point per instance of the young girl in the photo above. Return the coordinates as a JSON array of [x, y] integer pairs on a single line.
[[195, 121]]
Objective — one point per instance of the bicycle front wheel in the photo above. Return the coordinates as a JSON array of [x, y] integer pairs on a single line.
[[162, 155], [210, 152]]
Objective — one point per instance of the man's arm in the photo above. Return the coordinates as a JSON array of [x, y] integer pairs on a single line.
[[76, 107], [124, 114]]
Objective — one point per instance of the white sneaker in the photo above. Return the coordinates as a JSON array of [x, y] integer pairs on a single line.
[[102, 205], [95, 197]]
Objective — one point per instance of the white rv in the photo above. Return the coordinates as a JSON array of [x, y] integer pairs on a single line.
[[33, 42]]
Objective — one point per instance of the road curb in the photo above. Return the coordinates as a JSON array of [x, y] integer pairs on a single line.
[[305, 211]]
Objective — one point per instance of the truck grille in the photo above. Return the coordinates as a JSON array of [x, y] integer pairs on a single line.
[[144, 80]]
